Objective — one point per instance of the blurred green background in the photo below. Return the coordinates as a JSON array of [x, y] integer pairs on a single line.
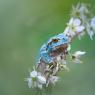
[[24, 26]]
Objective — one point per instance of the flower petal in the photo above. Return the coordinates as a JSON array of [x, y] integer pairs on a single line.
[[66, 30], [91, 33], [79, 53], [77, 60], [80, 28], [33, 74], [93, 23], [77, 22], [83, 9], [41, 79], [53, 79], [69, 47], [71, 21], [80, 35], [40, 86], [29, 80], [72, 33]]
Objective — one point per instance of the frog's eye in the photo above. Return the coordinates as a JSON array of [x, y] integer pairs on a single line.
[[52, 41], [55, 40]]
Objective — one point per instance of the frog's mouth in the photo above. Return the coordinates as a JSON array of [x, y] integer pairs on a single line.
[[61, 49]]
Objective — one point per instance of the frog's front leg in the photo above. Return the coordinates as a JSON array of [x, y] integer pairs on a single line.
[[41, 66]]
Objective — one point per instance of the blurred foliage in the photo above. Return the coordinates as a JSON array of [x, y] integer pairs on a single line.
[[24, 26]]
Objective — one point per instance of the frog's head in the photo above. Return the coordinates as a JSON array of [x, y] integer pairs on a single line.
[[57, 45]]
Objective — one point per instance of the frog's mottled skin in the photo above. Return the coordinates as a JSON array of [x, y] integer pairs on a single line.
[[50, 46]]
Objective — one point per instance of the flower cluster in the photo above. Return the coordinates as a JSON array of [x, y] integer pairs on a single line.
[[53, 54], [36, 80], [81, 15]]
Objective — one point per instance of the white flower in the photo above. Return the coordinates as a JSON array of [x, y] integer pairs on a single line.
[[80, 11], [35, 80], [74, 27], [32, 79], [83, 9], [53, 79], [77, 55], [31, 82]]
